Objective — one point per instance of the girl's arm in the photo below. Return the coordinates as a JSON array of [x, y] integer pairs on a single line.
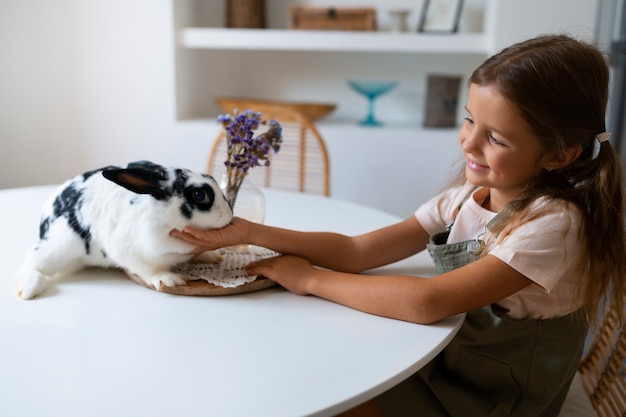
[[413, 299], [324, 249], [418, 300]]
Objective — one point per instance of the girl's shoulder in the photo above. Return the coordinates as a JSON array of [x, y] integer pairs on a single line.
[[551, 208], [545, 215]]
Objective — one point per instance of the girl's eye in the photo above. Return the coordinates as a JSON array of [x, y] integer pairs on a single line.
[[469, 121], [495, 141]]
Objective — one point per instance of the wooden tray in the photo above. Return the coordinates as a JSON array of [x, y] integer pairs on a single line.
[[203, 288]]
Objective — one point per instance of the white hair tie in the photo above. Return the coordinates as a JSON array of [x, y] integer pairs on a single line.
[[600, 138]]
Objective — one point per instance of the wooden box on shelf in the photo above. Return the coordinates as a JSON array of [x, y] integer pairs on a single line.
[[245, 14], [331, 18]]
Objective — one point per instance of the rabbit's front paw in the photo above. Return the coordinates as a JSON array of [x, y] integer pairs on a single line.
[[166, 279], [30, 285]]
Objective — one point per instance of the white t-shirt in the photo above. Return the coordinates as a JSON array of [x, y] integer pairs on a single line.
[[546, 249]]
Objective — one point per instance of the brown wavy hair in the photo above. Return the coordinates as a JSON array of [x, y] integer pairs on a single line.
[[560, 87]]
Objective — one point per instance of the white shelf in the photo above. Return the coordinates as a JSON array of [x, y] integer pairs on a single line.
[[343, 126], [332, 41]]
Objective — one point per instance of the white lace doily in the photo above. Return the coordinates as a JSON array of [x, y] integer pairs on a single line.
[[229, 272]]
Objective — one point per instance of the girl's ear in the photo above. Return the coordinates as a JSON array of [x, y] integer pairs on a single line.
[[561, 158]]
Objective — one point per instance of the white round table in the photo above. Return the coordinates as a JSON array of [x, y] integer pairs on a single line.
[[97, 344]]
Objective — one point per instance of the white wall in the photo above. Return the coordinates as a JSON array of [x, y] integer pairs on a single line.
[[570, 16], [88, 83]]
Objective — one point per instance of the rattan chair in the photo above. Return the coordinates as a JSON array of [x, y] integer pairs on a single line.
[[603, 368], [301, 165]]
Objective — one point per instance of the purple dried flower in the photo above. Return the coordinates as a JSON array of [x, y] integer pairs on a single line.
[[245, 151]]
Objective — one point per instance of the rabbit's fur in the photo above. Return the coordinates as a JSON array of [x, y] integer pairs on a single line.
[[121, 217]]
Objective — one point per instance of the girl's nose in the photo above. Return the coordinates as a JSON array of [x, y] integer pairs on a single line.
[[468, 139]]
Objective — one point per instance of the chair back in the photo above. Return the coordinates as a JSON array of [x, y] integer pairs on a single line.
[[302, 163], [603, 368]]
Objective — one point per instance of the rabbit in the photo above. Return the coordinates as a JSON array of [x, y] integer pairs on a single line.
[[121, 217]]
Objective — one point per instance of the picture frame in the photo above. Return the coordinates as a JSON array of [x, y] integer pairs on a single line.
[[440, 16]]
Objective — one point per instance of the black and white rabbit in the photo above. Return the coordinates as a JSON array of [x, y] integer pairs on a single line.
[[121, 217]]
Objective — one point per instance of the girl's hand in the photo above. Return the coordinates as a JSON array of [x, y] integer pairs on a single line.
[[237, 232], [291, 272]]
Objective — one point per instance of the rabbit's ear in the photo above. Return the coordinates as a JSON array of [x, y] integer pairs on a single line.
[[140, 180], [157, 169]]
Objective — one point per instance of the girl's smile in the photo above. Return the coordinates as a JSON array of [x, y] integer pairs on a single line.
[[475, 166]]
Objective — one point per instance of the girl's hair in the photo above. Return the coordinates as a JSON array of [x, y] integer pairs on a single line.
[[560, 87]]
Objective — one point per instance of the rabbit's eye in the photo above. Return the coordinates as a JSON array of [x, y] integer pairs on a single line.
[[200, 196]]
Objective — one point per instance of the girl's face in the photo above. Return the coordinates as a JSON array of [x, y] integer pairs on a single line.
[[500, 151]]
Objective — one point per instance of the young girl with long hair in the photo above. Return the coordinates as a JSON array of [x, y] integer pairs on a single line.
[[529, 242]]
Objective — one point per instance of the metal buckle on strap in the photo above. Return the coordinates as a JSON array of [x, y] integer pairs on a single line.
[[474, 246]]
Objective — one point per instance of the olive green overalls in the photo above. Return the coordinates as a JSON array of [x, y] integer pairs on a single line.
[[495, 365]]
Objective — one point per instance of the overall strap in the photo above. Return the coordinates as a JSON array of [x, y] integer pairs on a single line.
[[449, 256]]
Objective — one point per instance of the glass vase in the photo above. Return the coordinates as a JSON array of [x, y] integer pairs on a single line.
[[249, 201]]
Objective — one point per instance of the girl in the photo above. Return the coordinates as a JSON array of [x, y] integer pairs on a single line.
[[528, 243]]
